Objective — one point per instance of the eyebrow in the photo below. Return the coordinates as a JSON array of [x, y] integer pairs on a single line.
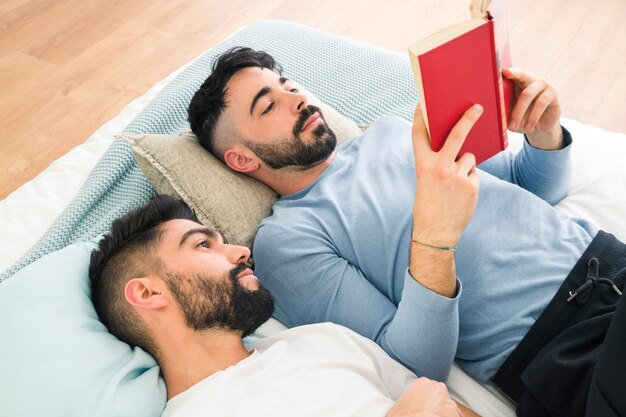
[[264, 91], [207, 231]]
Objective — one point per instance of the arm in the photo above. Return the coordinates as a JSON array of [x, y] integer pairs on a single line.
[[312, 283], [543, 166]]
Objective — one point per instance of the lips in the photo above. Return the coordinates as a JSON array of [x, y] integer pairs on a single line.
[[248, 280], [244, 273], [314, 117]]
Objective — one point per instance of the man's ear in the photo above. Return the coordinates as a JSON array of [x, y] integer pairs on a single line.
[[145, 293], [240, 159]]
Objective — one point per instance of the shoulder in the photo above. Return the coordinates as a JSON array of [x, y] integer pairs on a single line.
[[386, 125], [281, 238], [327, 333], [387, 129], [287, 223], [305, 220]]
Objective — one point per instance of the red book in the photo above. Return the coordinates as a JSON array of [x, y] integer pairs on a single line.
[[455, 68]]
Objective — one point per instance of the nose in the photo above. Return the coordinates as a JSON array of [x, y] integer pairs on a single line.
[[299, 101], [237, 254]]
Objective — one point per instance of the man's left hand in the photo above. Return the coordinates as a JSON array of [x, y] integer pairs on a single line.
[[536, 111]]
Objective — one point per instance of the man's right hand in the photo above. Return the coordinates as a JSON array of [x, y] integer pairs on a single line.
[[447, 190], [445, 200], [425, 398]]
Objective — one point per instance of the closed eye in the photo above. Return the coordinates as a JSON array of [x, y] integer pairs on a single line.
[[269, 108]]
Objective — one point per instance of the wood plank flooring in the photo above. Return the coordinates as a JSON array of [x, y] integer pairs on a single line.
[[68, 66]]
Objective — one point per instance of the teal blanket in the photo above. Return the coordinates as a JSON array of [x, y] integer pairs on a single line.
[[360, 81]]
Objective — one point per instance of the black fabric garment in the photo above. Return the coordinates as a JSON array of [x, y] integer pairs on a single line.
[[572, 361], [607, 395]]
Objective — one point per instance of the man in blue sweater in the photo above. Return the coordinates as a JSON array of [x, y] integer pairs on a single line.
[[497, 279]]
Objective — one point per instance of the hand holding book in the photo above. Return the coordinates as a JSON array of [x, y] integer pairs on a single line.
[[536, 111], [460, 65]]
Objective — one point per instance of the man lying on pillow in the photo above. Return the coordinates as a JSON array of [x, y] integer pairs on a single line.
[[163, 282], [394, 241]]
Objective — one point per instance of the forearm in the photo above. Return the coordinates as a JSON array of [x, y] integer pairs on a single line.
[[398, 412], [545, 173], [466, 411], [441, 212], [394, 413], [415, 336]]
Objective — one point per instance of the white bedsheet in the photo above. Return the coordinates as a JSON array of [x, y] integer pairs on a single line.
[[598, 193]]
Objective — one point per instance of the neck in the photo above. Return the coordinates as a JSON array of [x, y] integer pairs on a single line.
[[187, 359], [291, 180]]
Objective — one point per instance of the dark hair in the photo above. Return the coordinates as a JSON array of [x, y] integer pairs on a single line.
[[208, 103], [124, 253]]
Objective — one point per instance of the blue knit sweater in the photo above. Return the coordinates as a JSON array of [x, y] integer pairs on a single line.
[[338, 251]]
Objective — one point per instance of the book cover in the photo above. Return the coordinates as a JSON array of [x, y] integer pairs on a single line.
[[457, 67]]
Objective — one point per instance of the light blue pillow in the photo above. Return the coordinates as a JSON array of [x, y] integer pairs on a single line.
[[57, 358]]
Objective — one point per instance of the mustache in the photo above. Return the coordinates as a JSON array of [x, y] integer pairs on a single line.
[[305, 113], [237, 270]]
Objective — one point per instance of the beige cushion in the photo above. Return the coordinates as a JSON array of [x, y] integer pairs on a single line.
[[232, 203]]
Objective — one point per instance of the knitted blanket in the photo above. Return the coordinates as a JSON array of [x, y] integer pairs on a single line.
[[360, 81]]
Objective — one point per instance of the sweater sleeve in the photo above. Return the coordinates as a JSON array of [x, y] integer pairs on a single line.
[[544, 173], [312, 283]]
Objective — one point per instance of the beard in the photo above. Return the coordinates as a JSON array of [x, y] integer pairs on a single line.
[[224, 303], [293, 152]]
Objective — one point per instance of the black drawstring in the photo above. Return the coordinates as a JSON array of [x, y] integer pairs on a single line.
[[582, 293]]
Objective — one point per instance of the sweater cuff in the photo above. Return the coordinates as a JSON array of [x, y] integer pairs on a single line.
[[567, 141], [428, 299]]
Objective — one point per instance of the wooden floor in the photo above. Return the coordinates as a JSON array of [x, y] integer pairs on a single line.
[[68, 66]]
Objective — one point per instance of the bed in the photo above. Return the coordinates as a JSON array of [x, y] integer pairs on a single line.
[[57, 359]]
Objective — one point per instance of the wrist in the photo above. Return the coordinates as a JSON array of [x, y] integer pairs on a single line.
[[434, 269], [439, 237], [435, 247], [547, 141]]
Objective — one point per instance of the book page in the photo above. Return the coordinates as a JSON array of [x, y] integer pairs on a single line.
[[478, 8]]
